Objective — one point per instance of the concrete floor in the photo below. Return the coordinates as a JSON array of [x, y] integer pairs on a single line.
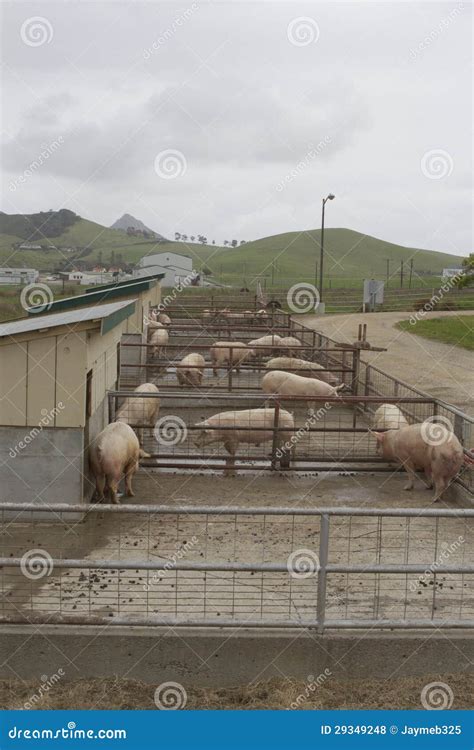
[[217, 538]]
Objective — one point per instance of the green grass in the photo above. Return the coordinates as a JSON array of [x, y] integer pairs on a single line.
[[457, 330], [280, 260]]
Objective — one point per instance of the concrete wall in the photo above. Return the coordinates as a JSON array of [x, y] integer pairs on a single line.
[[217, 659], [41, 466]]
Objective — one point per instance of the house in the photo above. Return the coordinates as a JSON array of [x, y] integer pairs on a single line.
[[448, 273], [55, 371], [29, 246], [174, 266], [18, 275]]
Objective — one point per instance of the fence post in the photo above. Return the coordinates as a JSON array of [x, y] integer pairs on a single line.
[[323, 560], [111, 408], [276, 420], [231, 362]]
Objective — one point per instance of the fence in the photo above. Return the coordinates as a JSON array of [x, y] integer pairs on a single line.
[[334, 435], [319, 568]]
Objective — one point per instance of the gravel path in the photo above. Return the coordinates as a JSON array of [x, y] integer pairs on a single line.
[[442, 370]]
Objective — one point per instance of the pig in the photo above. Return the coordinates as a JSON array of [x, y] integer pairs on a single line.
[[114, 452], [388, 417], [290, 346], [287, 384], [164, 319], [245, 423], [303, 367], [190, 370], [159, 339], [221, 355], [262, 314], [440, 459], [266, 342], [135, 410]]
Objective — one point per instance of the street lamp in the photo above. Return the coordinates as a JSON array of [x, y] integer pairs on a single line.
[[329, 197]]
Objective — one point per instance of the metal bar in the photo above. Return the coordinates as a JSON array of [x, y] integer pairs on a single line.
[[241, 567], [33, 618], [247, 511], [323, 569], [345, 399]]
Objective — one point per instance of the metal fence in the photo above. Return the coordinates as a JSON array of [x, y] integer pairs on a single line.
[[279, 567], [334, 435]]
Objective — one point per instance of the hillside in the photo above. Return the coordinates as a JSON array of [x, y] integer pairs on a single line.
[[127, 221], [281, 259]]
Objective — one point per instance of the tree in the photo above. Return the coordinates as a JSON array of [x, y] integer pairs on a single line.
[[184, 237], [225, 242], [177, 236], [234, 243], [242, 242], [192, 238], [213, 242], [467, 277]]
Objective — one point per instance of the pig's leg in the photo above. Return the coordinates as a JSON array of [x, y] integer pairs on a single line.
[[311, 408], [410, 470], [99, 487], [230, 460], [429, 478], [440, 485], [129, 472], [113, 482]]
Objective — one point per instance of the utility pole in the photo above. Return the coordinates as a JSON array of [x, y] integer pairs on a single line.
[[329, 197], [411, 272], [388, 270], [401, 275]]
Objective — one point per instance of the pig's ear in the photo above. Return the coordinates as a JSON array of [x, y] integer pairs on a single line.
[[379, 435]]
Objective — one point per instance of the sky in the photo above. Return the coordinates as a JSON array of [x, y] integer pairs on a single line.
[[234, 119]]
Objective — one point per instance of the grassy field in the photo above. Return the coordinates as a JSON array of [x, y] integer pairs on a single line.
[[283, 259], [458, 330], [10, 305]]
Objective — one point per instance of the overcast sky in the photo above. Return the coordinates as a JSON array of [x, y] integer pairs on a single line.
[[261, 110]]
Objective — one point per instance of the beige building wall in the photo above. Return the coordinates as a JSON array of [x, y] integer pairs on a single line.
[[42, 380]]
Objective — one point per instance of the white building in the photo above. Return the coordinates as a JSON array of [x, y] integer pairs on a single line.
[[448, 273], [176, 267], [18, 275]]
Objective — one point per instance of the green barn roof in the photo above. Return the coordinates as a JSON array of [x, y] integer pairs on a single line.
[[105, 293]]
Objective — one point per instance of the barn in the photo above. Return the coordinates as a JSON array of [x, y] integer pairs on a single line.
[[55, 371]]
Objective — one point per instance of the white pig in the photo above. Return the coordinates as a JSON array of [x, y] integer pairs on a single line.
[[304, 368], [114, 452], [426, 446], [190, 370], [251, 426], [287, 384], [159, 339], [222, 354], [290, 346], [139, 411]]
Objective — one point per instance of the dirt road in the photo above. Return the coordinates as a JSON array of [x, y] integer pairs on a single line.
[[442, 370]]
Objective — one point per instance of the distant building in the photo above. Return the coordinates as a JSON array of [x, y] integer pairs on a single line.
[[18, 275], [29, 246], [450, 272], [176, 267]]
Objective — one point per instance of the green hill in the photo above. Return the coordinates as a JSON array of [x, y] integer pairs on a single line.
[[279, 260]]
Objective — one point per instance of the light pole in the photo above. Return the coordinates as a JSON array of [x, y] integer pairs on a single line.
[[329, 197]]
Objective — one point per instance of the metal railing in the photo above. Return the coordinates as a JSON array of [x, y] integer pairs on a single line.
[[319, 568]]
